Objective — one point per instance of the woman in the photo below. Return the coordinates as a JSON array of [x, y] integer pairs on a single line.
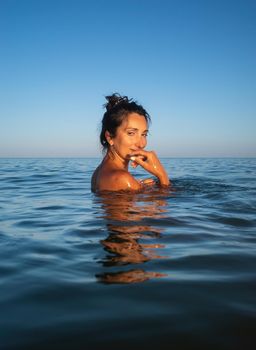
[[124, 137]]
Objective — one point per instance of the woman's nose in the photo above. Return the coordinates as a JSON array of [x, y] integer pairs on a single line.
[[140, 142]]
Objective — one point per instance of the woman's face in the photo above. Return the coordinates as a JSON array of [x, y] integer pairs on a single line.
[[131, 135]]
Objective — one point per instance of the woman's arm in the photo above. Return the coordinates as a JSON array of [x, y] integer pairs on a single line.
[[150, 162]]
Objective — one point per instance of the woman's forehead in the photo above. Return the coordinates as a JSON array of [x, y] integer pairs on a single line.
[[135, 120]]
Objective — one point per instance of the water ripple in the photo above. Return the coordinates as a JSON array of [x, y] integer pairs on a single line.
[[170, 267]]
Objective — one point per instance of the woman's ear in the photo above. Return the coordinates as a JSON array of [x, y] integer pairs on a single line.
[[109, 138]]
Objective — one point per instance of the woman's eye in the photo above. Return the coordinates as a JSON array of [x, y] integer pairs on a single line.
[[131, 133], [145, 135]]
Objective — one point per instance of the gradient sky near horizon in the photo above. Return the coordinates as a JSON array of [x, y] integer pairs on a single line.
[[190, 63]]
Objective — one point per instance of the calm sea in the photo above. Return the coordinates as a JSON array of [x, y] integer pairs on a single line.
[[169, 269]]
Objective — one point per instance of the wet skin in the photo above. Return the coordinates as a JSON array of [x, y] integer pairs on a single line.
[[128, 146]]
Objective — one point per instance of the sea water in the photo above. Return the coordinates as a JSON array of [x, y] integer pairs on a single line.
[[166, 269]]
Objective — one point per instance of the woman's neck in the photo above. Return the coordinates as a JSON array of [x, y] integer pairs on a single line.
[[116, 159]]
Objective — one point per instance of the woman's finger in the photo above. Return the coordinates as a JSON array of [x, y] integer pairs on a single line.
[[140, 153], [134, 164], [139, 161]]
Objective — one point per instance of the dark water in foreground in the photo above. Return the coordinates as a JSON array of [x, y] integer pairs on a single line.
[[166, 269]]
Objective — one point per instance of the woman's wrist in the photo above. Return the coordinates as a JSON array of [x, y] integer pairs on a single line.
[[163, 180]]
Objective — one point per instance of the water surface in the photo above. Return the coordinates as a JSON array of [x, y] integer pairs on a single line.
[[163, 269]]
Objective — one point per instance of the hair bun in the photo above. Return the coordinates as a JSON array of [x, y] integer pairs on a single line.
[[114, 100]]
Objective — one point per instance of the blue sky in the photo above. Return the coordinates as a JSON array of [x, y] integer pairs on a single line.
[[190, 63]]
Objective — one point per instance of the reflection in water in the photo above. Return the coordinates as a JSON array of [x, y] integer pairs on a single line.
[[130, 220], [131, 276]]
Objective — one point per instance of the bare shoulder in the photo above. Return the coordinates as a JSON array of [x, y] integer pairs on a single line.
[[117, 180], [94, 180]]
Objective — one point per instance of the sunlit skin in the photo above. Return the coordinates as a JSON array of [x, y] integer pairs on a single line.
[[128, 145]]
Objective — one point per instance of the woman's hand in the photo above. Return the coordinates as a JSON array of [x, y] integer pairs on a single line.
[[150, 162]]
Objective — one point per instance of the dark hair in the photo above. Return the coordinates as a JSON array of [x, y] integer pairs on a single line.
[[117, 109]]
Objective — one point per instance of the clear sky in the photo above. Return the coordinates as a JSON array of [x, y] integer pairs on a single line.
[[190, 63]]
